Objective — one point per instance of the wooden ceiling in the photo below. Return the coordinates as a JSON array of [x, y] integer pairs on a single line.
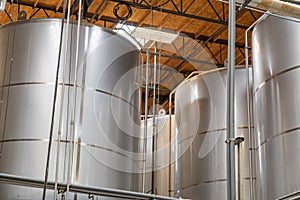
[[202, 25]]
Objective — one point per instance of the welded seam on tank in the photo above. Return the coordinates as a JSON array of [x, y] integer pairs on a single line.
[[2, 92], [204, 182], [70, 85], [210, 131], [279, 134], [211, 181], [67, 141], [8, 90], [274, 76]]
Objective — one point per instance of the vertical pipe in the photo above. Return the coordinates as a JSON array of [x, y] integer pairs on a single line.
[[145, 121], [73, 110], [154, 121], [170, 141], [249, 116], [53, 108], [231, 185], [62, 96]]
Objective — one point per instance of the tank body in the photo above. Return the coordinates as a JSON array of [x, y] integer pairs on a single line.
[[276, 105], [101, 95], [200, 118], [163, 155]]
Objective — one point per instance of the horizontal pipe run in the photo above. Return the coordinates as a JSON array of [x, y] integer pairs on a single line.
[[293, 19], [24, 181], [185, 59], [294, 195]]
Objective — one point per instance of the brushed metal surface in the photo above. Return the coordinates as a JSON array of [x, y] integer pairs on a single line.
[[106, 138], [200, 118], [276, 105], [164, 156]]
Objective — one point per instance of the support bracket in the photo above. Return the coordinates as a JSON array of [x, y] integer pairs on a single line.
[[237, 140]]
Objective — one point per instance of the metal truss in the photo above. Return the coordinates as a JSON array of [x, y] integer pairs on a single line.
[[179, 11]]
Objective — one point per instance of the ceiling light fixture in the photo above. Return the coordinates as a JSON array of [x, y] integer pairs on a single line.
[[154, 34]]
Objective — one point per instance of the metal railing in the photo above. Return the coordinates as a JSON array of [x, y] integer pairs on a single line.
[[102, 191]]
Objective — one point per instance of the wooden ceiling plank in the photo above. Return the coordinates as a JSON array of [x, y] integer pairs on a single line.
[[184, 25]]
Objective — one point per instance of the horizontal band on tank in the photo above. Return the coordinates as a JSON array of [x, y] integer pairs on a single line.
[[66, 141], [248, 178], [204, 182], [211, 181], [274, 76], [70, 85], [279, 134], [223, 129], [210, 131]]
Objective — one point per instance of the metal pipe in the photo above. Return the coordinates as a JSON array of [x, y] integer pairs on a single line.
[[27, 182], [294, 195], [265, 12], [249, 106], [170, 149], [145, 123], [154, 121], [53, 108], [62, 95], [244, 5], [231, 185], [72, 134]]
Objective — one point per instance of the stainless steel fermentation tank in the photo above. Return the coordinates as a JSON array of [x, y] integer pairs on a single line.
[[106, 107], [276, 62], [163, 155], [200, 118]]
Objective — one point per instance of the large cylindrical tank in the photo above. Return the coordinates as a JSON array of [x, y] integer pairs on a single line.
[[276, 65], [105, 106], [163, 171], [200, 118]]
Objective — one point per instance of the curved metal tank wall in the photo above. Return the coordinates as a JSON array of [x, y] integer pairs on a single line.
[[163, 178], [276, 63], [106, 107], [200, 118]]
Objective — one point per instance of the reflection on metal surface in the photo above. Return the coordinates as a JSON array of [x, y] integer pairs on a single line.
[[274, 76], [276, 99], [201, 162], [68, 142], [106, 68], [212, 131], [69, 85], [164, 159], [279, 134]]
